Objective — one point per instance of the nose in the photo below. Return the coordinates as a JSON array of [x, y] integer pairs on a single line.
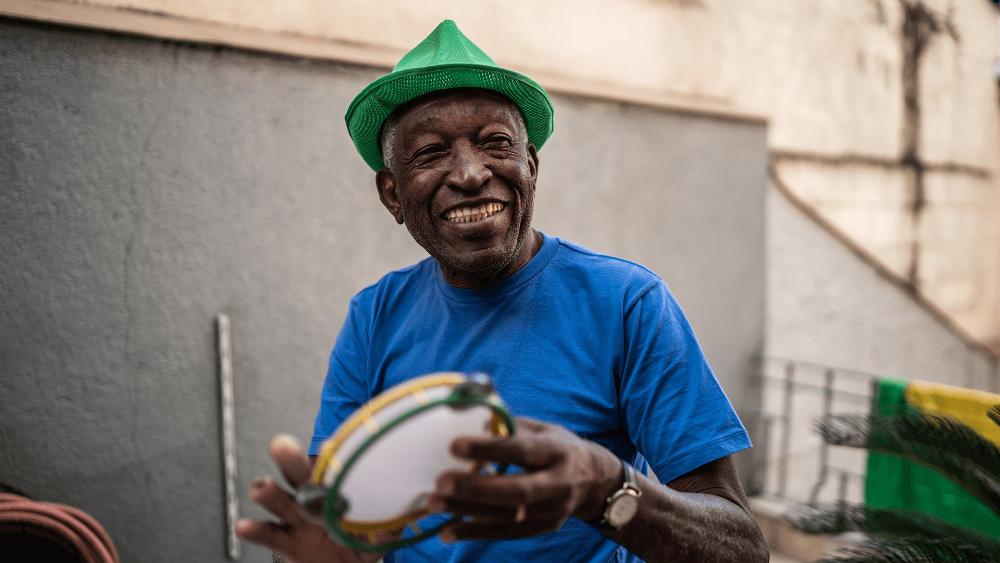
[[468, 171]]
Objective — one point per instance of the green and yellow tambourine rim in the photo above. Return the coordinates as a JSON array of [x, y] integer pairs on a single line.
[[344, 530]]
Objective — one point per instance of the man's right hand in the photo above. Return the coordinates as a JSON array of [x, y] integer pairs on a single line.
[[295, 538]]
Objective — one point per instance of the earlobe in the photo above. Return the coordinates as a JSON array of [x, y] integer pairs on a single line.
[[385, 182]]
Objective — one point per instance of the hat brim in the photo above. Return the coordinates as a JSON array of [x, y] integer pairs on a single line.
[[375, 103]]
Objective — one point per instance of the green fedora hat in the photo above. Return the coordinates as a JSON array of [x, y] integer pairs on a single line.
[[446, 59]]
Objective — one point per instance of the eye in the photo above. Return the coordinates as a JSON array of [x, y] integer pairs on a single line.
[[427, 153], [497, 141]]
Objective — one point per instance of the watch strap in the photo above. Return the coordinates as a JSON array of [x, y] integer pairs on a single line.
[[630, 482]]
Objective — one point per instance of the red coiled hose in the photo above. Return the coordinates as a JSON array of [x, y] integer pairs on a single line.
[[64, 525]]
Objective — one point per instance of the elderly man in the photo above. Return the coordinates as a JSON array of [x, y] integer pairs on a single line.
[[592, 348]]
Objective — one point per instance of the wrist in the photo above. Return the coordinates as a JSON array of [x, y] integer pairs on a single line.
[[607, 479]]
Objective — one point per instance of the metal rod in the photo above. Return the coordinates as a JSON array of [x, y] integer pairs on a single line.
[[786, 434], [225, 353], [840, 369], [762, 468], [807, 385], [842, 500], [824, 448], [842, 490]]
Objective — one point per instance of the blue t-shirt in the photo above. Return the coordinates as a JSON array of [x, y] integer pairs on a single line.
[[594, 343]]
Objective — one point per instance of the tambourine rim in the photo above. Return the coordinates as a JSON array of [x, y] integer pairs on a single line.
[[337, 526], [369, 409], [501, 421], [398, 522]]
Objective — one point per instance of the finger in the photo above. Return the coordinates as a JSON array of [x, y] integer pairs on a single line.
[[548, 510], [529, 424], [494, 530], [267, 534], [267, 493], [501, 490], [290, 458], [529, 452]]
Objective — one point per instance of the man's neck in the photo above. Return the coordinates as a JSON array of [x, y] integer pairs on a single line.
[[467, 280]]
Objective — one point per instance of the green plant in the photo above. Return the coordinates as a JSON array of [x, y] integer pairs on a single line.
[[938, 442]]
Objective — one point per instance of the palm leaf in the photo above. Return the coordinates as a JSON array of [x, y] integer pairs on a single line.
[[840, 518], [994, 413], [942, 443], [909, 549]]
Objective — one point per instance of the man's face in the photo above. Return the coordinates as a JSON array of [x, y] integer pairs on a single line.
[[461, 176]]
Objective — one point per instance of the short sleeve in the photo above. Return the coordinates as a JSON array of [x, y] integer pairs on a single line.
[[346, 385], [674, 408]]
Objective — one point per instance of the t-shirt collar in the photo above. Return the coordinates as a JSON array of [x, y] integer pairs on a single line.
[[519, 278]]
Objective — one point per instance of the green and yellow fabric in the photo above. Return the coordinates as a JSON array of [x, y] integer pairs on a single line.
[[896, 483]]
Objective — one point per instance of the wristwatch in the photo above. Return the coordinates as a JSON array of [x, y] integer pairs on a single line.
[[624, 503]]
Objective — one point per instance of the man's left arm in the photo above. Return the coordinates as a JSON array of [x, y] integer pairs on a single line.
[[701, 516]]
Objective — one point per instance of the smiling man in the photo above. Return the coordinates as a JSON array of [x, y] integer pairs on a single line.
[[591, 350], [478, 229]]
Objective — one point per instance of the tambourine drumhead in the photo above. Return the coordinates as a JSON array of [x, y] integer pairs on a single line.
[[387, 483]]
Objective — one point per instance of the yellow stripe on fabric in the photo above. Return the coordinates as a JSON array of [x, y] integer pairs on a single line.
[[968, 406]]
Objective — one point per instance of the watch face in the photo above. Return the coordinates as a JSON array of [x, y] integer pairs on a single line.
[[622, 509]]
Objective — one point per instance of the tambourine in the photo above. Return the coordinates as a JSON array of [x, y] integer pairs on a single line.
[[373, 476]]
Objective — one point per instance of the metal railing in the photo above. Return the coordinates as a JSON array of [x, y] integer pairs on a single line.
[[796, 464]]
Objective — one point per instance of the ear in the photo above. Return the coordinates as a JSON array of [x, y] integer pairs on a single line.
[[386, 184], [533, 162]]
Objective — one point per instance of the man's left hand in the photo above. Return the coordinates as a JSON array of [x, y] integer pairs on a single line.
[[564, 476]]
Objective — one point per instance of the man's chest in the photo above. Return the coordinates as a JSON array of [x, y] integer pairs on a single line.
[[545, 362]]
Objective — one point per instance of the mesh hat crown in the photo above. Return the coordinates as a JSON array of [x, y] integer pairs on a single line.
[[446, 59]]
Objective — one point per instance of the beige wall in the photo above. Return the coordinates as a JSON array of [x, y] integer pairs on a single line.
[[827, 73], [828, 76]]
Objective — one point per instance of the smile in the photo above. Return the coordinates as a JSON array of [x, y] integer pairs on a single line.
[[473, 214]]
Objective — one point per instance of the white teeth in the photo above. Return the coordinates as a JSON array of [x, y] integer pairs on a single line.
[[478, 213]]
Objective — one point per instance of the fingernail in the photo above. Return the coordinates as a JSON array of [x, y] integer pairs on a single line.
[[285, 441], [258, 482]]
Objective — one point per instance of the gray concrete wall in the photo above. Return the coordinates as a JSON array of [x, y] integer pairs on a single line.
[[829, 308], [826, 305], [146, 187]]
